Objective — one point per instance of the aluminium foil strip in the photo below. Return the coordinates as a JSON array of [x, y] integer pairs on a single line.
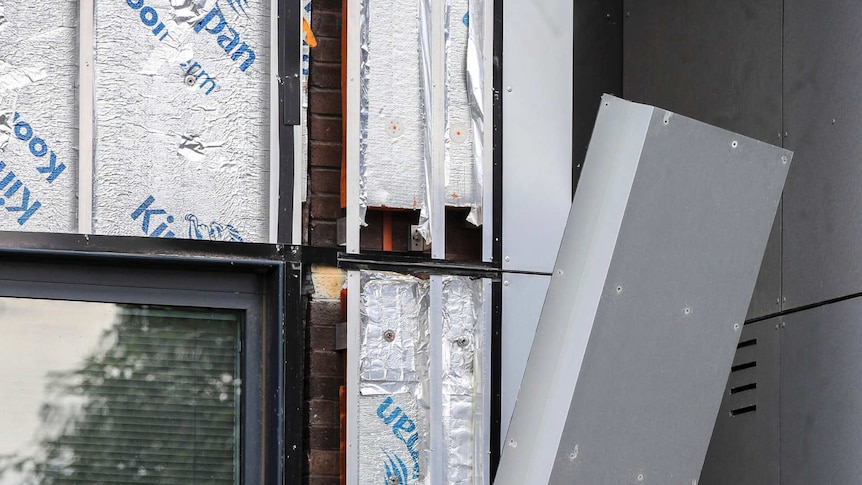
[[462, 335], [306, 53], [39, 116], [182, 101]]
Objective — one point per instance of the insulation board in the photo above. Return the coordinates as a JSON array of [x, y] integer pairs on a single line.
[[38, 116], [182, 103]]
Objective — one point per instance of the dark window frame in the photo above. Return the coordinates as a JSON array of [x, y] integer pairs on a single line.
[[263, 281]]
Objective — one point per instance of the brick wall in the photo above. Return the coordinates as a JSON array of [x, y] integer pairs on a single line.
[[324, 369]]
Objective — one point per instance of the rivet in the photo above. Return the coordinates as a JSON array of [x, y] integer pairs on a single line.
[[833, 121], [190, 80], [462, 341], [389, 335], [509, 89], [640, 477], [734, 144], [619, 289], [507, 258], [559, 272], [783, 324], [513, 443], [686, 310], [393, 480], [736, 326], [505, 283], [784, 159]]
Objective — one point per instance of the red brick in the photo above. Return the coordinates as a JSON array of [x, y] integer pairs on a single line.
[[323, 462], [326, 128], [319, 5], [321, 338], [328, 50], [324, 101], [326, 24], [325, 363], [325, 181], [321, 412], [324, 387], [324, 312], [324, 74], [325, 206], [325, 154], [323, 233], [324, 438]]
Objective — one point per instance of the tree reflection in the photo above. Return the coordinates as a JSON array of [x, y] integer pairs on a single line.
[[156, 403]]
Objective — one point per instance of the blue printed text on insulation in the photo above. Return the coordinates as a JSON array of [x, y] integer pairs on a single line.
[[149, 17], [15, 188], [38, 148], [405, 430], [156, 222], [215, 23]]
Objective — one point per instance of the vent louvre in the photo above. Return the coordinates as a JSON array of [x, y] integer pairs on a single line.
[[749, 388]]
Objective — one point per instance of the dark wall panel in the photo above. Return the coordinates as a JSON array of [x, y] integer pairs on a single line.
[[821, 378], [719, 62], [744, 445], [598, 68], [823, 119]]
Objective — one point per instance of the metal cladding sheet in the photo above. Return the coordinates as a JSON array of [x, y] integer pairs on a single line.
[[391, 107], [38, 116], [394, 317], [392, 436], [306, 52], [182, 118], [462, 333], [462, 174]]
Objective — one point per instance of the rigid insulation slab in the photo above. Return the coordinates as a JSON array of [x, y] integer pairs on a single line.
[[394, 106], [182, 103], [395, 414], [646, 303], [38, 116]]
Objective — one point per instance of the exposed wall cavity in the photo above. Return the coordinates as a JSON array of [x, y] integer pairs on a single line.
[[182, 119], [394, 381], [38, 116]]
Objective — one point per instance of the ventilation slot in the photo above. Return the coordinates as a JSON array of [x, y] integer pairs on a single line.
[[747, 343], [745, 410], [747, 365], [747, 387]]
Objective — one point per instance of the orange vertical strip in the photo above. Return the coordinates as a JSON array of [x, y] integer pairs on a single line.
[[387, 230], [344, 104]]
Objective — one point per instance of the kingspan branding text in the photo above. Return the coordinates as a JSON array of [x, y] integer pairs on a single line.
[[405, 430]]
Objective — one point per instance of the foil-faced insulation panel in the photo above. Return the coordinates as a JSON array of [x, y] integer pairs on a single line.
[[395, 107], [391, 108], [182, 103], [38, 116], [306, 53], [394, 381]]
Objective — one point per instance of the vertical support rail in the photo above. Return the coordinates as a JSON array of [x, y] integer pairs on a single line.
[[274, 124], [439, 12], [437, 466], [488, 201], [86, 106], [352, 135], [482, 424], [353, 324]]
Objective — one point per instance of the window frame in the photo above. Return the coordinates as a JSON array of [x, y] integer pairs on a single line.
[[255, 279]]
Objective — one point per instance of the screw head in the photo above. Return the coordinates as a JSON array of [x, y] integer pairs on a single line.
[[389, 335], [190, 80], [462, 341]]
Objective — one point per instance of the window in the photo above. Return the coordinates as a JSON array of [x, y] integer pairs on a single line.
[[143, 369]]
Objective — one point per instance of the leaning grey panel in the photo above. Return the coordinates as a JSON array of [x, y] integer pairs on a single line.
[[823, 118], [744, 445], [821, 379], [718, 62], [523, 295], [654, 276], [537, 150]]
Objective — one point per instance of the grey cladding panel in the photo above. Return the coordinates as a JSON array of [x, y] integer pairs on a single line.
[[821, 395], [718, 62], [823, 118], [686, 259], [744, 445]]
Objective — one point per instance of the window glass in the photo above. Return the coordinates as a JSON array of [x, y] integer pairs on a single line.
[[107, 393]]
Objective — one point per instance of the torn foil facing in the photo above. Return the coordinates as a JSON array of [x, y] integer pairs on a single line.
[[391, 108], [462, 174], [462, 335], [182, 102], [393, 319], [39, 116], [393, 437], [475, 83]]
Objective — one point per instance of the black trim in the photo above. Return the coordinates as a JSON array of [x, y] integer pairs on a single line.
[[496, 373], [416, 265], [497, 179], [294, 368], [286, 182], [289, 61]]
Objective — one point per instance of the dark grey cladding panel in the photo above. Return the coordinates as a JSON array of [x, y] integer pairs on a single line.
[[718, 62], [684, 266], [744, 445], [821, 395], [822, 256]]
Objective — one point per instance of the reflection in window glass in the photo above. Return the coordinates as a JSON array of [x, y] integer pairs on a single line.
[[104, 393]]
